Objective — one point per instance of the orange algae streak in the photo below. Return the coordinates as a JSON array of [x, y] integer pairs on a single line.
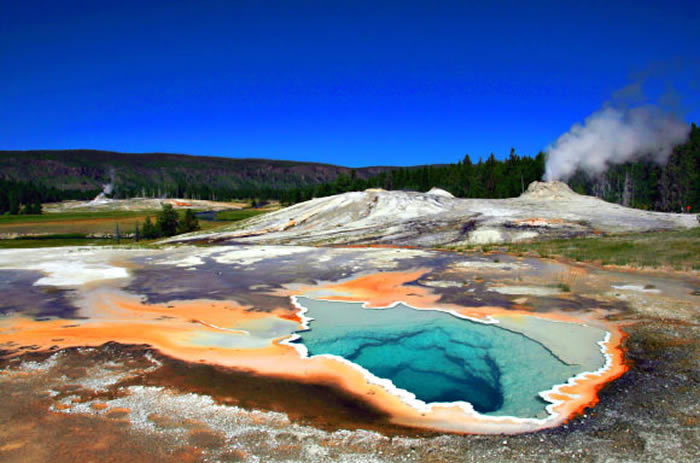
[[123, 318], [585, 390], [386, 288], [294, 317], [380, 289]]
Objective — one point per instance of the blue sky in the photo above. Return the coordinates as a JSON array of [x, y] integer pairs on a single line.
[[345, 82]]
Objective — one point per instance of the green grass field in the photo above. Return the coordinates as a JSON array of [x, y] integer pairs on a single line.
[[240, 214], [679, 250], [51, 241], [86, 223], [71, 216], [85, 228]]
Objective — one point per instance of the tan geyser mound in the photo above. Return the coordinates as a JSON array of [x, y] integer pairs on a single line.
[[549, 191], [440, 192]]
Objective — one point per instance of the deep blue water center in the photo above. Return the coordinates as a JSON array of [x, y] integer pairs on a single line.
[[437, 356]]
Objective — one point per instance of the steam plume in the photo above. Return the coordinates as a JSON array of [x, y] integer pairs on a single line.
[[613, 136], [109, 187]]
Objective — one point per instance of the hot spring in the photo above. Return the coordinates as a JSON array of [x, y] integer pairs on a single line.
[[499, 368]]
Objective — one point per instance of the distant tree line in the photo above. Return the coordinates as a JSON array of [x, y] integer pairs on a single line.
[[485, 179], [26, 197], [641, 184]]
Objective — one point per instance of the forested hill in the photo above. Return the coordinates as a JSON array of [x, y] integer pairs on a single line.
[[28, 178], [82, 173]]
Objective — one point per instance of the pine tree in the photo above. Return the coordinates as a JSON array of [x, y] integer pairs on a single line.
[[166, 222], [36, 207], [149, 230], [14, 203], [188, 223]]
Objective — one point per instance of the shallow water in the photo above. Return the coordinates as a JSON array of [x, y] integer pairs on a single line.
[[440, 357], [20, 295]]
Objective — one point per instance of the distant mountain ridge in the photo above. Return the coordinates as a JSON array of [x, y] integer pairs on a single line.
[[164, 173]]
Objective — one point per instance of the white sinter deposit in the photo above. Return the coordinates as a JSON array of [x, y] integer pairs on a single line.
[[104, 203], [375, 216], [70, 266]]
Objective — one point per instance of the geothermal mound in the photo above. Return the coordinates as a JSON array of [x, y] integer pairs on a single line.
[[436, 218], [550, 191], [103, 203], [355, 217], [440, 192]]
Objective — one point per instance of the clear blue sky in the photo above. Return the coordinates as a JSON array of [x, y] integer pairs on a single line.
[[345, 82]]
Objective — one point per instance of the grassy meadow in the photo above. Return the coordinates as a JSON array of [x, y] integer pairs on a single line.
[[91, 228], [671, 249]]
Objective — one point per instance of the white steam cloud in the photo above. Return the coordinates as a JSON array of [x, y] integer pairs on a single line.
[[109, 187], [614, 136]]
